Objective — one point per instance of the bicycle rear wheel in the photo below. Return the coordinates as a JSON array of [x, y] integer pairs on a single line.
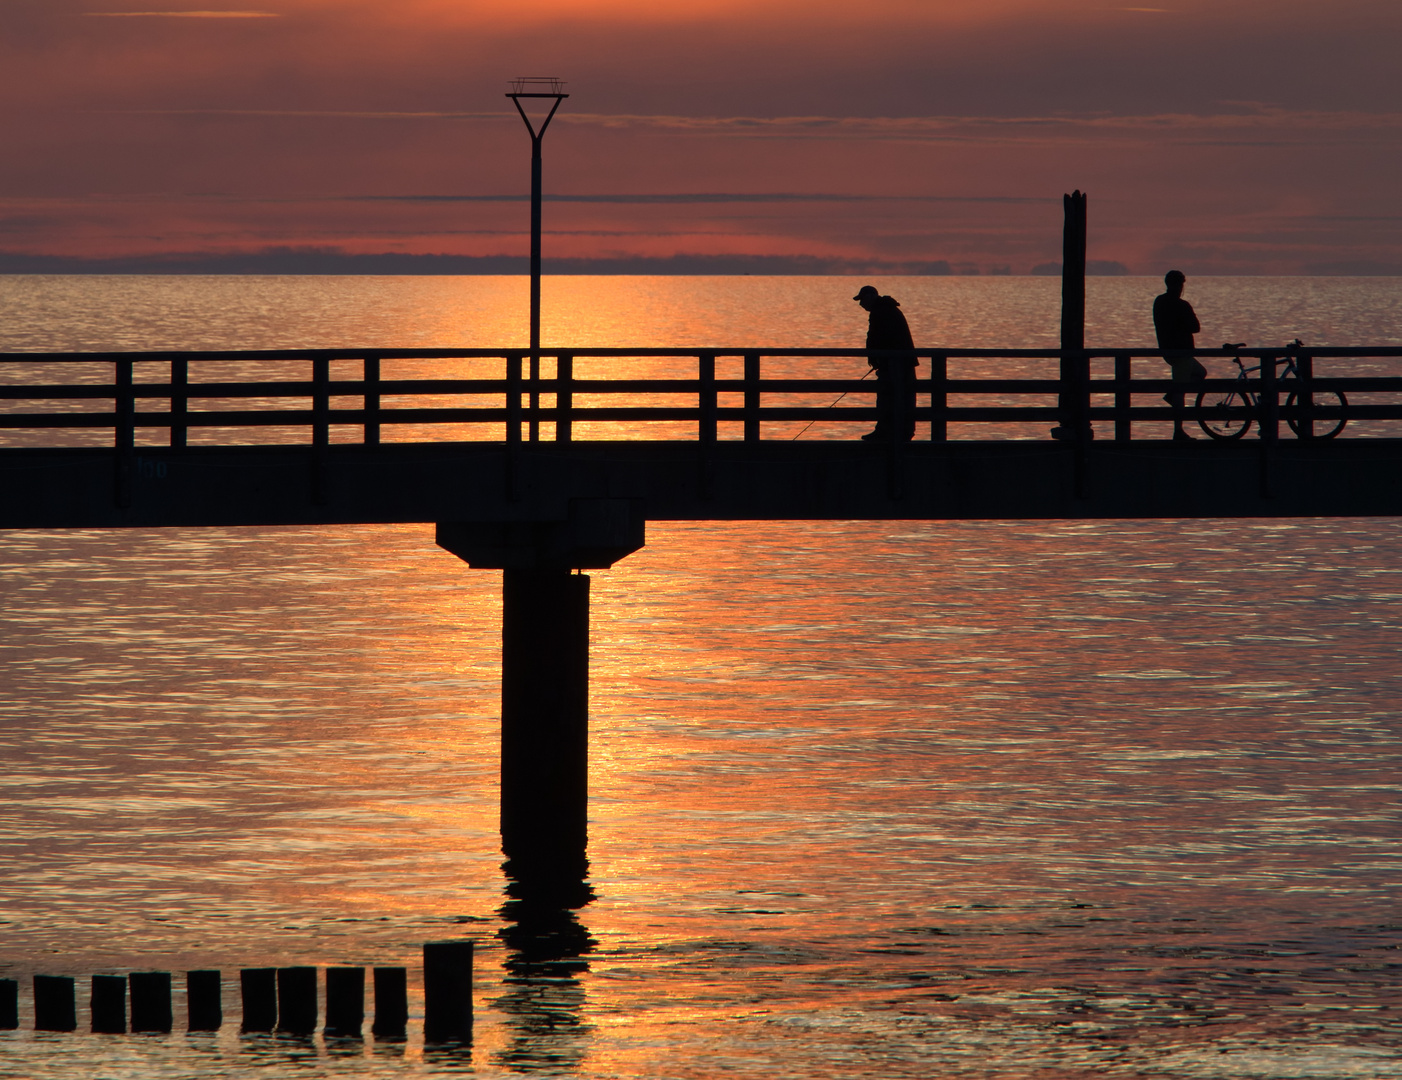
[[1326, 427], [1223, 415]]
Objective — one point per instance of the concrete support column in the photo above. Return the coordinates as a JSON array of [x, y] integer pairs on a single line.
[[544, 715], [545, 672]]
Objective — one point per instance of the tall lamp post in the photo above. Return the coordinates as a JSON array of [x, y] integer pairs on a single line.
[[552, 89]]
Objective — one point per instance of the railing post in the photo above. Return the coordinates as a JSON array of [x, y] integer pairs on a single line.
[[706, 421], [372, 400], [1270, 401], [513, 424], [179, 402], [706, 424], [1080, 395], [752, 397], [939, 398], [321, 425], [513, 399], [535, 397], [564, 398], [321, 402], [899, 371], [1304, 364], [124, 433], [1123, 374]]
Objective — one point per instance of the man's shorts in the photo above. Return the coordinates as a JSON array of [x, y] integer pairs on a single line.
[[1186, 367]]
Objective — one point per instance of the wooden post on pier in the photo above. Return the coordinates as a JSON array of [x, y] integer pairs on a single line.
[[1073, 272], [1075, 370]]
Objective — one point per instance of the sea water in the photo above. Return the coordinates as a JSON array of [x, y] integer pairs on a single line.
[[891, 799]]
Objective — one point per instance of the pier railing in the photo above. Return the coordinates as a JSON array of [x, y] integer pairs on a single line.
[[403, 395]]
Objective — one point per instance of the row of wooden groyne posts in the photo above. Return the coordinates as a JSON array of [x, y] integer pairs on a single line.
[[282, 1000]]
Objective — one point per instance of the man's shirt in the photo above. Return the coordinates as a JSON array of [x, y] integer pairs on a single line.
[[1175, 322]]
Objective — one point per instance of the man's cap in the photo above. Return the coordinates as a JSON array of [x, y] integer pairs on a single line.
[[865, 291]]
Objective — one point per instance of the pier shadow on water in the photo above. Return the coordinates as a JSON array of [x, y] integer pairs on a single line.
[[543, 999]]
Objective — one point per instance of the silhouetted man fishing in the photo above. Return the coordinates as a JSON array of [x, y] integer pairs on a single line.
[[1175, 323], [895, 375]]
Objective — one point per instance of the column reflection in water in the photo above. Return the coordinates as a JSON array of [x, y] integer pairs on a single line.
[[543, 1000]]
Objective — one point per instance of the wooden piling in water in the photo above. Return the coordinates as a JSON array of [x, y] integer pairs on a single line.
[[296, 1000], [55, 1003], [345, 1001], [448, 991], [258, 987], [9, 1004], [109, 1004], [391, 1003], [150, 1001], [204, 1000]]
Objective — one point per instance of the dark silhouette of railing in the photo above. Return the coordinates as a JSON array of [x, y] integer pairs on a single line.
[[527, 397]]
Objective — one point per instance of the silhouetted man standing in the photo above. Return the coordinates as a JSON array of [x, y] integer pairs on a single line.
[[1175, 323], [895, 375]]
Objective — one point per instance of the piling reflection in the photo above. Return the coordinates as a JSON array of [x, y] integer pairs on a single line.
[[546, 944], [345, 1046], [265, 1050]]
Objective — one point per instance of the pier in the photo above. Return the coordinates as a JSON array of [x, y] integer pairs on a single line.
[[544, 465]]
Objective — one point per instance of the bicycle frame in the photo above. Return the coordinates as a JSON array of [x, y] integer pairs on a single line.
[[1244, 375]]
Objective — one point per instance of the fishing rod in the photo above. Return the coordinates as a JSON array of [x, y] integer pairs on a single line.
[[830, 405]]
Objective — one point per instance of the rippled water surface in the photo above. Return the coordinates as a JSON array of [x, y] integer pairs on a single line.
[[913, 799]]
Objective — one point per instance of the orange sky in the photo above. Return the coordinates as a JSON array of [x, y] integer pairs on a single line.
[[1223, 136]]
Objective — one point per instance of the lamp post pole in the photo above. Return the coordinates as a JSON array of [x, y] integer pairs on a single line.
[[550, 89]]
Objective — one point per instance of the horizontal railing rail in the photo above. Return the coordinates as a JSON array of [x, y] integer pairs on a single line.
[[544, 396]]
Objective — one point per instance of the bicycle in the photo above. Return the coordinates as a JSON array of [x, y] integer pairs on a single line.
[[1229, 414]]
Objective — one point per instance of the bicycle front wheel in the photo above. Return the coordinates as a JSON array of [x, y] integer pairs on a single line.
[[1325, 427], [1223, 415]]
